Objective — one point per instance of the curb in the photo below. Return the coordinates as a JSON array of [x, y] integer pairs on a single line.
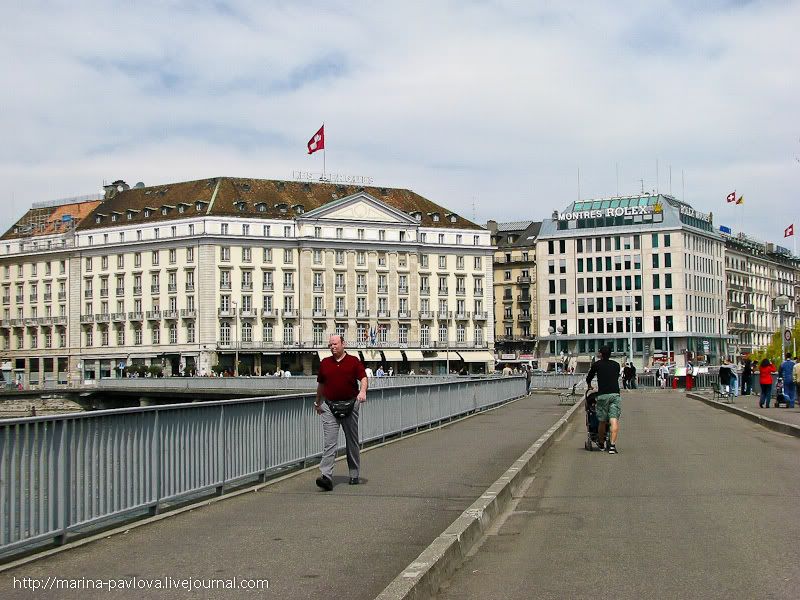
[[773, 424], [436, 564]]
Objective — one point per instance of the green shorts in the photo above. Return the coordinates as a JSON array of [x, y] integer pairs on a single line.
[[608, 407]]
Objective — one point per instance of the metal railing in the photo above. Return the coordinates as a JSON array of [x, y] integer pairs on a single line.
[[70, 473]]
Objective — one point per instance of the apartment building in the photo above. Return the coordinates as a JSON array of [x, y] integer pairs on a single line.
[[515, 307], [757, 273], [198, 274], [644, 274]]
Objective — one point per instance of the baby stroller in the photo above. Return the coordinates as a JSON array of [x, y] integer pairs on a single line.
[[591, 422], [780, 397]]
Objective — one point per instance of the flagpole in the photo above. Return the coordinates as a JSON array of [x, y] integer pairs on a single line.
[[323, 155]]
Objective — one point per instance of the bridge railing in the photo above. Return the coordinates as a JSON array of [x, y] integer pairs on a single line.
[[75, 473]]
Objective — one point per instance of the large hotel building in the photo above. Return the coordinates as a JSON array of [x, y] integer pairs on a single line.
[[650, 276], [193, 275]]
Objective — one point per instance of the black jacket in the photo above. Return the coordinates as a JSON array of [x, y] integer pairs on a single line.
[[607, 372]]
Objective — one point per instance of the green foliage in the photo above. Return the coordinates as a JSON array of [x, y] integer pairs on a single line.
[[773, 350]]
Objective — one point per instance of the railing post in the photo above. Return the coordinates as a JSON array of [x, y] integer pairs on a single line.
[[156, 464], [63, 499]]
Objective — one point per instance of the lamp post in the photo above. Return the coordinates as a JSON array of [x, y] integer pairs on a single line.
[[782, 302], [235, 339], [630, 329], [557, 331]]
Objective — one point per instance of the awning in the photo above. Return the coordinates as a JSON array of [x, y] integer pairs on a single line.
[[393, 355], [443, 356], [477, 357], [370, 355], [413, 355], [323, 354]]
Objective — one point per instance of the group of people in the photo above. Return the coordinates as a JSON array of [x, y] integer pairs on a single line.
[[629, 376], [788, 374]]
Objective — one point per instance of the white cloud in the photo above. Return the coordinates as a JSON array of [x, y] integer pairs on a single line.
[[497, 103]]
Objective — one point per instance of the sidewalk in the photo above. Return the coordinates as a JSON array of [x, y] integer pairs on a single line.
[[349, 543]]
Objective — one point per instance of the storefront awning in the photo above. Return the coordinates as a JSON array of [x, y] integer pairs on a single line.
[[323, 354], [477, 357], [393, 355], [443, 356], [413, 355], [370, 355]]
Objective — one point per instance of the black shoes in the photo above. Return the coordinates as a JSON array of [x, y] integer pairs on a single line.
[[325, 483], [354, 481]]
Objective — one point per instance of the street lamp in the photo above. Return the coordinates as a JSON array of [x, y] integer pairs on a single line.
[[630, 328], [782, 302], [235, 339], [557, 331]]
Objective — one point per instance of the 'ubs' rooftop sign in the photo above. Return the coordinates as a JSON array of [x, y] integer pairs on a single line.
[[627, 211]]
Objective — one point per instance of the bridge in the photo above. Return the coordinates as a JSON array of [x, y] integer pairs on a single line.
[[493, 497]]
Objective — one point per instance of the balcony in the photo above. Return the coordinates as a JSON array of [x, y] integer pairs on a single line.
[[508, 299], [267, 287], [188, 313], [734, 304], [189, 287], [361, 289], [462, 316], [153, 315], [20, 298], [20, 322], [135, 316], [288, 288], [104, 292], [118, 317], [102, 317], [319, 288], [31, 322], [525, 299], [6, 299], [250, 313], [403, 291], [480, 316], [48, 297], [268, 313], [247, 287], [172, 288], [383, 289], [461, 292], [62, 295], [340, 288], [59, 320], [170, 314], [318, 313], [425, 291], [225, 286], [362, 314], [523, 279], [154, 289], [748, 306], [442, 291], [477, 292], [137, 290], [225, 312], [524, 317], [340, 314], [444, 315], [46, 321], [86, 294], [384, 314], [404, 315], [735, 326], [425, 315], [289, 313], [120, 291]]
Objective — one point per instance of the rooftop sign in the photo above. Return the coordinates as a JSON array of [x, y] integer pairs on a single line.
[[628, 211], [690, 212]]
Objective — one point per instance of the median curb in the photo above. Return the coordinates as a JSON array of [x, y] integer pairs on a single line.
[[435, 565], [773, 424]]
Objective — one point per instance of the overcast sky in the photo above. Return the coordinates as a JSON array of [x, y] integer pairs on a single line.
[[494, 105]]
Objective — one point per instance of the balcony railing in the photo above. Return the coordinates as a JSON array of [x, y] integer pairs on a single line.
[[102, 317], [340, 314], [251, 313], [247, 287], [402, 290], [188, 313], [525, 299], [404, 314], [425, 291], [288, 288], [137, 290], [525, 317], [289, 313], [104, 292], [86, 294], [170, 314], [508, 299], [477, 292], [462, 316], [444, 315], [153, 315], [319, 288], [154, 289], [135, 316], [20, 298], [426, 315], [189, 287], [62, 295], [362, 314], [442, 291], [87, 318], [48, 297], [361, 289], [225, 312], [384, 314], [340, 288], [523, 279], [225, 285], [268, 313], [118, 316], [267, 287], [461, 291], [172, 288], [480, 316], [383, 289], [318, 313], [6, 299]]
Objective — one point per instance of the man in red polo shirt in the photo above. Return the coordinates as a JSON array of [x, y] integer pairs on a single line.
[[341, 378]]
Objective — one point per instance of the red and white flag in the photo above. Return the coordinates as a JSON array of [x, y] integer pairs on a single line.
[[731, 197], [317, 142], [789, 231]]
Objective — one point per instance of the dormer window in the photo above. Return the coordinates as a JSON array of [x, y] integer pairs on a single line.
[[164, 210], [298, 208], [181, 209], [434, 216], [417, 215], [240, 206], [114, 218], [198, 206], [261, 207], [146, 212], [282, 207]]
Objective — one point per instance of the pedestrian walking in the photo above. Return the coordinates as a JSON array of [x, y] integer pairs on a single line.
[[747, 378], [342, 382], [608, 405], [765, 371], [528, 373], [734, 379], [786, 371], [725, 377]]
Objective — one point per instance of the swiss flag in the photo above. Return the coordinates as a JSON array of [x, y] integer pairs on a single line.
[[731, 197], [789, 231], [317, 142]]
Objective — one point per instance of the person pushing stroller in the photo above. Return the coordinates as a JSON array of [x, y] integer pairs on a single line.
[[608, 399]]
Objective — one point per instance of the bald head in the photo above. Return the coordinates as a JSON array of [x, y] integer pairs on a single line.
[[336, 345]]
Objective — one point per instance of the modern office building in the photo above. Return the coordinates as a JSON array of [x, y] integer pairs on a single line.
[[757, 274], [245, 273], [644, 274], [515, 289]]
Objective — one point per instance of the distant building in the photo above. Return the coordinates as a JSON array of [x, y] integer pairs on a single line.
[[515, 306], [189, 275]]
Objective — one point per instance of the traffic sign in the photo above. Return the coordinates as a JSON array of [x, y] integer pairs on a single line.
[[787, 335]]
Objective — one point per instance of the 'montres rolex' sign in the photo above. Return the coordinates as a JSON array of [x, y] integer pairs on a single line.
[[627, 211]]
